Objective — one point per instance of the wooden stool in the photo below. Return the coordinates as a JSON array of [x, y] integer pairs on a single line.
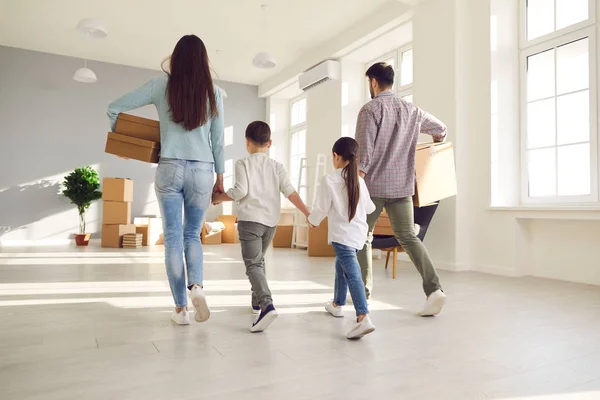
[[394, 251]]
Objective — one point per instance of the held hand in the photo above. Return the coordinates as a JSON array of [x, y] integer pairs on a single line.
[[219, 188], [216, 199]]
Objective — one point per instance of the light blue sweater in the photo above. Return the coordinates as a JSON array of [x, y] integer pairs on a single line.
[[204, 143]]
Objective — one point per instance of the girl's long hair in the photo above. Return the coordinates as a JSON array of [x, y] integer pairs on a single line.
[[190, 91], [347, 148]]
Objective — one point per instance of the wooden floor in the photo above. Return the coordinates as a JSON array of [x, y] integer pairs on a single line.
[[94, 324]]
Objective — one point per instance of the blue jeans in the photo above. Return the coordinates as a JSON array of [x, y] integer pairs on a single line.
[[183, 185], [348, 276]]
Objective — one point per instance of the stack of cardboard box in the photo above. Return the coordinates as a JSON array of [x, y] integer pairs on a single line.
[[318, 245], [117, 195], [151, 229], [230, 233], [208, 236], [135, 137], [285, 230]]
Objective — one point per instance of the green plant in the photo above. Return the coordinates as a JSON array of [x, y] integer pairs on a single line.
[[82, 187]]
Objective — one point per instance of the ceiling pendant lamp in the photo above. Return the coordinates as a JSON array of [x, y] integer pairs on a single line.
[[92, 28], [263, 59], [85, 75]]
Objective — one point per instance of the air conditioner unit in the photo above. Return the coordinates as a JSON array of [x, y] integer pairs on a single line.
[[323, 72]]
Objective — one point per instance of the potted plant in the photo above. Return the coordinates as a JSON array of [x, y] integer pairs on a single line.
[[82, 187]]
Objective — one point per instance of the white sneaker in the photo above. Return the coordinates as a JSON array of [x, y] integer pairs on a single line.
[[434, 304], [360, 329], [182, 318], [198, 297], [337, 312]]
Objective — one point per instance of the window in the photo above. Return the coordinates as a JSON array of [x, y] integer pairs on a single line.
[[228, 140], [544, 17], [402, 62], [559, 133], [298, 144]]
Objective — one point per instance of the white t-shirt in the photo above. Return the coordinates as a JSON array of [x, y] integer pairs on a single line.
[[332, 202], [259, 181]]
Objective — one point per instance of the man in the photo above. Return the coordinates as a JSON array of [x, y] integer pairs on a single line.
[[387, 131]]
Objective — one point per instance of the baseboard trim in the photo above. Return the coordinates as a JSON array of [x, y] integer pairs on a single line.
[[494, 270]]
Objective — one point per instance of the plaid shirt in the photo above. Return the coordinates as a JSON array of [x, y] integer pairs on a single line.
[[387, 131]]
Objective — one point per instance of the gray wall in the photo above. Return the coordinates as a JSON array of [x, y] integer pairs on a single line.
[[50, 124]]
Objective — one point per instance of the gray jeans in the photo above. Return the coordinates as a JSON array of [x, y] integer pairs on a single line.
[[401, 215], [255, 239]]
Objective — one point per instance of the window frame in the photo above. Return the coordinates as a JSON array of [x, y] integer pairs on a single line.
[[294, 129], [551, 41]]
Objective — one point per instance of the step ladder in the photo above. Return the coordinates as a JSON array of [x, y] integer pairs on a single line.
[[300, 224]]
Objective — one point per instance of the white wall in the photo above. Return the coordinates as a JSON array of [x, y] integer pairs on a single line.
[[278, 117], [506, 242], [353, 94], [434, 89], [323, 124]]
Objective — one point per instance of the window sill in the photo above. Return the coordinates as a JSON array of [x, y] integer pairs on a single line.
[[551, 212]]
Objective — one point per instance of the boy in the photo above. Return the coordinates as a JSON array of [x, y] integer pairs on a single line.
[[258, 182]]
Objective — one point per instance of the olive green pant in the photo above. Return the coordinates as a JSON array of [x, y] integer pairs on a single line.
[[401, 215]]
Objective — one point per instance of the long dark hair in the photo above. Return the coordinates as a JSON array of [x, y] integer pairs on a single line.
[[347, 148], [190, 90]]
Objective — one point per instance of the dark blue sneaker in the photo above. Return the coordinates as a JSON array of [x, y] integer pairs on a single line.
[[255, 310], [265, 319]]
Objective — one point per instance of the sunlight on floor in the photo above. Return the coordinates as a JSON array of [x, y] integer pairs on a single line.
[[307, 302], [281, 300], [211, 286]]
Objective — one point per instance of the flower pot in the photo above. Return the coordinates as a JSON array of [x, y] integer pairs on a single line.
[[82, 240]]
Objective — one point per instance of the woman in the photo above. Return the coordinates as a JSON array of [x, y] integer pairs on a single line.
[[190, 110]]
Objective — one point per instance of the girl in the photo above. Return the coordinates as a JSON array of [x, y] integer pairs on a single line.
[[190, 110], [344, 199]]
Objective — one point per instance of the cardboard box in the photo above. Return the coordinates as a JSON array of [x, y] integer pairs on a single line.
[[151, 229], [230, 234], [117, 189], [112, 235], [210, 238], [130, 147], [383, 226], [116, 213], [138, 127], [435, 173], [283, 236], [317, 242]]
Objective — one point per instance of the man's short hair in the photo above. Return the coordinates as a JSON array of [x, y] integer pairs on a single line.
[[382, 73], [259, 133]]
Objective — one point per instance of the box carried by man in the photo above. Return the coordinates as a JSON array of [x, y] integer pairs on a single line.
[[435, 173]]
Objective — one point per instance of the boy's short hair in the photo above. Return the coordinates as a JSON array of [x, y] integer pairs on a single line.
[[259, 133], [383, 74]]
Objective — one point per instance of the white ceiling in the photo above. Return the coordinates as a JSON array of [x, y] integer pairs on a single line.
[[143, 32]]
